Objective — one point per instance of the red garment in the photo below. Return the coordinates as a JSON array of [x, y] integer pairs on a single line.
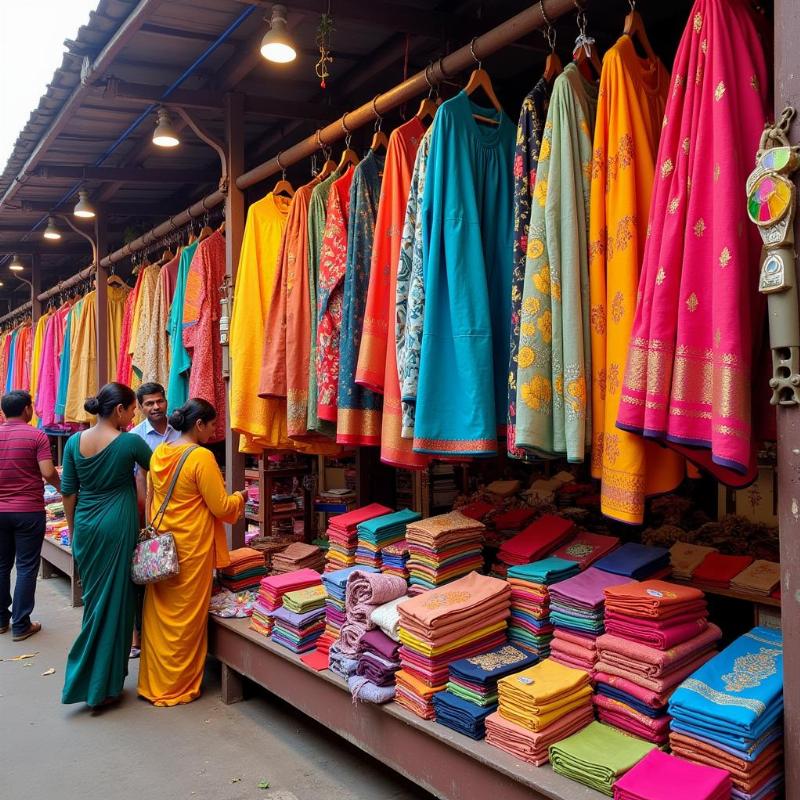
[[22, 447], [124, 357]]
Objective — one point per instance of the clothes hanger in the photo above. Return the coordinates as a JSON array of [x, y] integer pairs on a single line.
[[349, 156], [430, 104], [115, 280], [329, 166], [634, 28], [379, 139], [283, 186], [552, 64], [480, 80], [206, 230], [584, 54]]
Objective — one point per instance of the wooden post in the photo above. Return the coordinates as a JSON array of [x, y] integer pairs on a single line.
[[787, 92], [101, 300], [36, 289], [234, 231]]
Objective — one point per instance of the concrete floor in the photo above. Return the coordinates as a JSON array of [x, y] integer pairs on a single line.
[[201, 751]]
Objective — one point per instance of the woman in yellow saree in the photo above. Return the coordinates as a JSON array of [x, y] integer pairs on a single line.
[[174, 622]]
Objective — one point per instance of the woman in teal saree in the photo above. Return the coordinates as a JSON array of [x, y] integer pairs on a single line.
[[101, 508]]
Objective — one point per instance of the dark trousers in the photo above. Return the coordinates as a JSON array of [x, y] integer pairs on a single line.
[[21, 537]]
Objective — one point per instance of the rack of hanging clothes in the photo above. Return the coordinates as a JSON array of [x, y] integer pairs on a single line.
[[15, 349]]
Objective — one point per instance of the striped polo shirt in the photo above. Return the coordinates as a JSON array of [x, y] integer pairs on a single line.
[[22, 447]]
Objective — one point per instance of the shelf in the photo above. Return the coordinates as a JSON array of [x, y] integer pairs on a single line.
[[57, 558], [760, 599]]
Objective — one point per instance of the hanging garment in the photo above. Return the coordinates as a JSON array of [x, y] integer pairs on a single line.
[[554, 356], [201, 312], [377, 361], [410, 291], [116, 298], [66, 360], [530, 129], [36, 361], [332, 266], [179, 361], [9, 365], [156, 349], [49, 378], [22, 376], [142, 319], [124, 368], [467, 229], [698, 316], [633, 93], [359, 410], [83, 361], [5, 346]]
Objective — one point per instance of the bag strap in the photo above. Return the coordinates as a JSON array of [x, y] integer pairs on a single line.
[[162, 510]]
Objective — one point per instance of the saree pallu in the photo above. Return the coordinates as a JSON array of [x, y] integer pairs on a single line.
[[688, 377], [633, 94], [530, 129], [358, 419]]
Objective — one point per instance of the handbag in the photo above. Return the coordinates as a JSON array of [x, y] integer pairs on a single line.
[[155, 557]]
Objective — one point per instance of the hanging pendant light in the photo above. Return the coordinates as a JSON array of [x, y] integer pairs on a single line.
[[165, 135], [16, 264], [84, 208], [277, 45], [51, 231]]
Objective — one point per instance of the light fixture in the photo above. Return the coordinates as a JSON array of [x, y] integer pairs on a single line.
[[84, 208], [16, 264], [164, 135], [51, 231], [277, 44]]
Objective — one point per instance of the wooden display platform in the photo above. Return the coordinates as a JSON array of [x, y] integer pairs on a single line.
[[441, 761], [57, 559]]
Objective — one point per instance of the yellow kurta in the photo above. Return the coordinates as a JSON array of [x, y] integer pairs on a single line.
[[38, 343], [83, 370], [633, 94], [140, 331], [117, 295], [175, 620]]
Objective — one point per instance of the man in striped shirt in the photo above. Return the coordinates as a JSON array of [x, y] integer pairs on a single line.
[[25, 459]]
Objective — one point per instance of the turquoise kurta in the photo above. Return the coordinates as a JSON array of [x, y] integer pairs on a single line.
[[467, 234], [180, 362], [106, 525]]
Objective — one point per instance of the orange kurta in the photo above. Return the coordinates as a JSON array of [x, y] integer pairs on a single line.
[[633, 95], [175, 620]]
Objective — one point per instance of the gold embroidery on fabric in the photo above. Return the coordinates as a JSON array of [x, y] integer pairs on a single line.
[[660, 276], [704, 46], [555, 290], [526, 357], [725, 257], [625, 151], [540, 192], [697, 22], [598, 319], [698, 76], [436, 600], [597, 163], [531, 305], [597, 248], [601, 381], [535, 248], [756, 638], [545, 326], [558, 384], [730, 392], [719, 91], [528, 329], [751, 670], [699, 227], [674, 204], [544, 150], [504, 657], [679, 81], [685, 145], [693, 375], [576, 394], [625, 229], [617, 308], [716, 172], [541, 280], [636, 374], [623, 492], [685, 412], [611, 449], [580, 549], [597, 451], [717, 337], [537, 393], [754, 82], [722, 699], [692, 302], [613, 379]]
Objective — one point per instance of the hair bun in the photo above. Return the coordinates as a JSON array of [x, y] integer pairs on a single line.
[[92, 405], [177, 418]]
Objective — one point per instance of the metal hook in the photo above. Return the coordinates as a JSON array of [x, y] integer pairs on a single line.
[[320, 143], [549, 31], [378, 117], [632, 4], [280, 166], [472, 52], [348, 134], [433, 88]]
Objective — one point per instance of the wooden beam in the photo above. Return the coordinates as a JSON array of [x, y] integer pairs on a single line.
[[125, 175]]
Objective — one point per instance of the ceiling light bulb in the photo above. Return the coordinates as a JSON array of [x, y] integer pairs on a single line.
[[164, 135], [84, 208], [16, 265], [51, 231], [277, 45]]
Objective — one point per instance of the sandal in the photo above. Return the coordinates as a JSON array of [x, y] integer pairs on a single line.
[[33, 628], [4, 628], [135, 652]]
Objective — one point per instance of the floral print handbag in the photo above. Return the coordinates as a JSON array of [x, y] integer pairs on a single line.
[[156, 557]]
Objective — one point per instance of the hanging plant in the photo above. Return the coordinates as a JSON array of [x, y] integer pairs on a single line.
[[324, 37]]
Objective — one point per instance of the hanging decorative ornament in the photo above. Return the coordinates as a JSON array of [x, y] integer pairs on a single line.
[[324, 38]]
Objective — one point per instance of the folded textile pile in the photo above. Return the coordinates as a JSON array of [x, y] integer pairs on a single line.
[[576, 611], [597, 756], [686, 558], [378, 661], [245, 571], [478, 510], [729, 714], [443, 548], [761, 577], [659, 776], [513, 520], [538, 540], [586, 548], [301, 601], [343, 534], [636, 561], [530, 624], [271, 592], [719, 570], [376, 533], [387, 618], [460, 715], [340, 664], [298, 555], [297, 632], [335, 584], [365, 592], [459, 620], [394, 558]]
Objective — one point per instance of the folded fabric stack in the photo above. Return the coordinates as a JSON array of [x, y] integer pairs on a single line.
[[478, 510], [443, 548], [298, 555], [636, 561], [340, 664], [538, 540], [586, 548], [718, 570], [375, 534], [576, 611], [761, 577], [335, 584], [659, 776], [387, 618], [297, 632], [729, 714], [472, 689], [537, 707], [686, 558], [598, 756], [245, 571], [378, 661], [271, 592], [530, 626], [462, 619], [394, 558], [343, 535], [513, 520], [302, 601]]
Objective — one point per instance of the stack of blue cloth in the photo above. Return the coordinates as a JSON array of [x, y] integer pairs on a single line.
[[729, 714], [636, 561], [375, 534], [461, 715], [297, 632]]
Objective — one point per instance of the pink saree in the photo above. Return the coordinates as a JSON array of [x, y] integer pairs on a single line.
[[698, 317]]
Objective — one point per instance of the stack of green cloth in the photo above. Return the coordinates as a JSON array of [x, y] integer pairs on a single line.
[[546, 571], [304, 600], [598, 755]]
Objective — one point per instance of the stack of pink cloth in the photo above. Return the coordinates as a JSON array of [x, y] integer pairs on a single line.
[[657, 634], [343, 535], [271, 592], [538, 540]]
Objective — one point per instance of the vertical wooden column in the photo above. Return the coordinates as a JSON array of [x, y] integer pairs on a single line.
[[234, 231], [101, 299], [787, 92], [36, 290]]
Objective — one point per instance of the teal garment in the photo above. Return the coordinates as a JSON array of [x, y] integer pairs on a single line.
[[106, 525], [180, 362], [66, 361], [467, 230], [10, 365], [554, 355]]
